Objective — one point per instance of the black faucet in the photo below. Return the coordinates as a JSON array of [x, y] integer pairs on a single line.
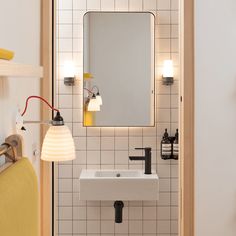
[[147, 158]]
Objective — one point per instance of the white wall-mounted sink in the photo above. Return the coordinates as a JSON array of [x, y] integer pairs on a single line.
[[118, 185]]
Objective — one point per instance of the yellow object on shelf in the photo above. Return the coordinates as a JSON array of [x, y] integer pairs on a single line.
[[6, 54]]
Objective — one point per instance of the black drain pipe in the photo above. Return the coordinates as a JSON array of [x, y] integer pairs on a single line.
[[118, 205]]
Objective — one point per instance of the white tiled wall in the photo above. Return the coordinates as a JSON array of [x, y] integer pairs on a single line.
[[110, 147]]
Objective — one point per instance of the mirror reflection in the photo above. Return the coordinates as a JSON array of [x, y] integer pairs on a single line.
[[118, 69]]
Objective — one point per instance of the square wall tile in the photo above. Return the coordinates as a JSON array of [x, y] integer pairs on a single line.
[[163, 4], [122, 229], [107, 132], [93, 227], [107, 143], [149, 226], [163, 227], [79, 227], [65, 199], [93, 213], [79, 213], [163, 17], [65, 227], [65, 17], [135, 5], [107, 5], [65, 185], [107, 226], [121, 143], [122, 132], [93, 157], [163, 213], [121, 157], [135, 213], [135, 227], [79, 4], [65, 31], [107, 157], [93, 143], [107, 213], [174, 4], [121, 5], [149, 213], [93, 4], [65, 4], [149, 5], [78, 16], [65, 213]]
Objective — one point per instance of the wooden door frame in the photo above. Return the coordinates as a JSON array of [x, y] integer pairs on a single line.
[[186, 216], [46, 114], [186, 226]]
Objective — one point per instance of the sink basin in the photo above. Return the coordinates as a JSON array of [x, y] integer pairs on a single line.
[[118, 185]]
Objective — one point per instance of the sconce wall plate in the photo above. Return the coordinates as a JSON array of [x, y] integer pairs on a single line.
[[69, 81], [167, 80]]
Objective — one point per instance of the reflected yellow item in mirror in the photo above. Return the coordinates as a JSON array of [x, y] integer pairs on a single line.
[[88, 118], [88, 76], [6, 54]]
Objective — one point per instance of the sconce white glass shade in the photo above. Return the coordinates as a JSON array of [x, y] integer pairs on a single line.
[[93, 105], [168, 69], [69, 69], [99, 99], [58, 144]]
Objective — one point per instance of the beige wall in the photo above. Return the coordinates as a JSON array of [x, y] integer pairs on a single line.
[[20, 32], [215, 116]]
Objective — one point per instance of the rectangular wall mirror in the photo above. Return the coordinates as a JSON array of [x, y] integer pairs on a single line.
[[119, 69]]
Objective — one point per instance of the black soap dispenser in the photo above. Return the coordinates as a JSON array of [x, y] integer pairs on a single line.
[[176, 146], [166, 149]]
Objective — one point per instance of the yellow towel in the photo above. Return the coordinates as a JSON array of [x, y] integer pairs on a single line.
[[6, 54], [19, 200]]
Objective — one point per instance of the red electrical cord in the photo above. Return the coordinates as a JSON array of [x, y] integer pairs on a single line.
[[89, 90], [38, 97]]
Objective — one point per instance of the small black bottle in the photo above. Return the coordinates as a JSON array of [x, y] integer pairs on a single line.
[[166, 146], [176, 146]]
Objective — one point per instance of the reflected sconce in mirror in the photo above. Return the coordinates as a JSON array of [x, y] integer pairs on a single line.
[[168, 73], [98, 96], [69, 73], [58, 144], [93, 104], [95, 101]]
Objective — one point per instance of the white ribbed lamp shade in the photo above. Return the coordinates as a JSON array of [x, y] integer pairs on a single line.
[[58, 144], [93, 105], [99, 99]]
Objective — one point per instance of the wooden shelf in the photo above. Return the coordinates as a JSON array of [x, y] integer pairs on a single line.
[[9, 68]]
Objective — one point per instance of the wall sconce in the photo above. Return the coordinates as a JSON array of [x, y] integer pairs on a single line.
[[98, 96], [168, 73], [69, 73], [95, 101], [58, 144], [93, 104]]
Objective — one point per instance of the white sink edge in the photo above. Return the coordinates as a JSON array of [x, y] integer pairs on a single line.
[[89, 174]]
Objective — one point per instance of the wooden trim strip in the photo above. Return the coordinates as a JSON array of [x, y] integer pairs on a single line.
[[187, 118], [46, 114]]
